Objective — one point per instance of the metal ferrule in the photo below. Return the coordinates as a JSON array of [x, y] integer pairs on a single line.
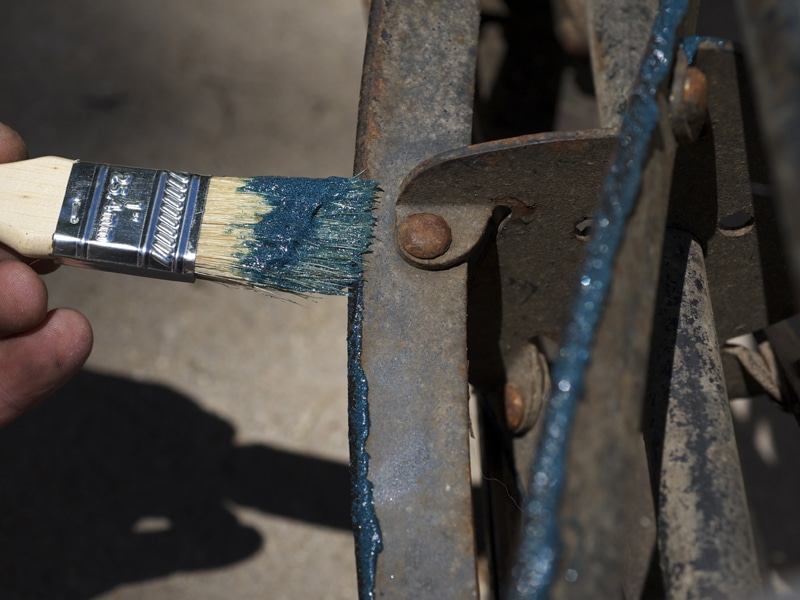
[[138, 221]]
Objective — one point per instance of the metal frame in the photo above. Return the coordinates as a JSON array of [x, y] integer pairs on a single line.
[[416, 102], [503, 280]]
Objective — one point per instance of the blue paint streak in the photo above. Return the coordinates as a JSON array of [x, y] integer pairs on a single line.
[[540, 544], [362, 511], [311, 235]]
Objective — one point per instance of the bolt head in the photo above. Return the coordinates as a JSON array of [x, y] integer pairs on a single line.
[[695, 92], [690, 104], [425, 235], [514, 405]]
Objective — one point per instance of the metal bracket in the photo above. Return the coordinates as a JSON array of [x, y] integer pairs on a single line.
[[478, 249], [520, 180], [518, 210]]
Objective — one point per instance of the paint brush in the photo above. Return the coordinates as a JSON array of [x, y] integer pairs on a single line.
[[297, 235]]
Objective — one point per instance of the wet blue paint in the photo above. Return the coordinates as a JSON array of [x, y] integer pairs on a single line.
[[311, 235], [539, 547], [362, 511]]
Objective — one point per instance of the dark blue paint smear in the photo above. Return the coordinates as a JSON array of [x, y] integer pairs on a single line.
[[311, 235], [540, 546], [365, 522]]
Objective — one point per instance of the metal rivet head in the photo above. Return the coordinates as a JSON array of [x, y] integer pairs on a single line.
[[689, 104], [514, 405], [425, 235], [695, 92]]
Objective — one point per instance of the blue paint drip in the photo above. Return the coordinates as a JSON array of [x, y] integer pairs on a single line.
[[311, 235], [362, 511], [540, 538]]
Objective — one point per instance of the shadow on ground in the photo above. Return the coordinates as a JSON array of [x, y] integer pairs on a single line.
[[113, 481]]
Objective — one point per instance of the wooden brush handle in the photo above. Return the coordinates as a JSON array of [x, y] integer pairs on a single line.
[[31, 196]]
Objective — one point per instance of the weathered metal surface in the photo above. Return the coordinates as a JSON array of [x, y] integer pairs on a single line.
[[605, 372], [772, 38], [721, 175], [721, 197], [520, 202], [526, 274], [749, 250], [521, 181], [598, 490], [618, 35], [416, 101], [518, 281], [535, 246], [705, 537]]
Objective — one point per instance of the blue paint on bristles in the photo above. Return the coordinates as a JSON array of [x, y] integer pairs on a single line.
[[312, 239], [297, 235], [539, 548]]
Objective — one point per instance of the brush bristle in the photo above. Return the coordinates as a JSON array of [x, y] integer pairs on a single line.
[[303, 236]]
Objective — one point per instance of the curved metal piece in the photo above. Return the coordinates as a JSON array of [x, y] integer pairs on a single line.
[[523, 175]]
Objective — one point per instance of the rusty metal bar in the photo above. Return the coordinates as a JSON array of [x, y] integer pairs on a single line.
[[772, 39], [721, 198], [606, 429], [593, 553], [618, 34], [416, 101], [596, 496], [704, 533], [521, 280]]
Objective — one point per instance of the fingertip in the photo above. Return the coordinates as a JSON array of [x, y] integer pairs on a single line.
[[73, 339], [12, 148], [23, 298], [38, 362], [42, 266]]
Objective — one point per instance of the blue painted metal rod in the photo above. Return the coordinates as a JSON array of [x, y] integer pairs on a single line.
[[539, 547]]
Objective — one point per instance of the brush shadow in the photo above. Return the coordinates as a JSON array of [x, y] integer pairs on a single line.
[[113, 481]]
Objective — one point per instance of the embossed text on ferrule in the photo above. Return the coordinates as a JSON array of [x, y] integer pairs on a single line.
[[125, 219], [115, 203]]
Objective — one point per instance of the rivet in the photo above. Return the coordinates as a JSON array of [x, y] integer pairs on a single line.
[[527, 388], [514, 405], [695, 93], [691, 108], [425, 235]]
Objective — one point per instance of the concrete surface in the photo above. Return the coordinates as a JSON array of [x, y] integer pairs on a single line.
[[202, 452]]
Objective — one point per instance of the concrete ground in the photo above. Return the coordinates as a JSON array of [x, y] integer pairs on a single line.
[[202, 453]]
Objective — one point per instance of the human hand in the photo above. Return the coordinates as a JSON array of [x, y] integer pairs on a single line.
[[39, 350]]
